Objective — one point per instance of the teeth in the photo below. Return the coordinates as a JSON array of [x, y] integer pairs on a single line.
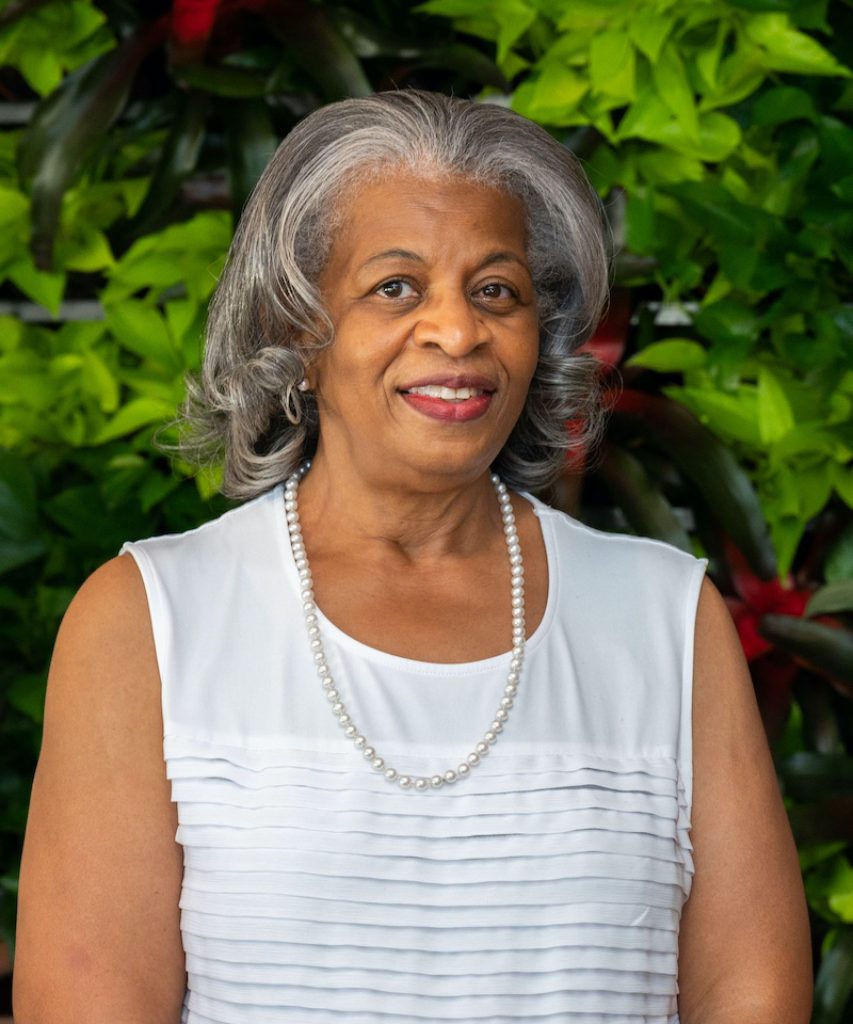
[[448, 394]]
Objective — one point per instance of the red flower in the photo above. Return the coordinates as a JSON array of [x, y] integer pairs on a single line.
[[192, 21], [757, 597]]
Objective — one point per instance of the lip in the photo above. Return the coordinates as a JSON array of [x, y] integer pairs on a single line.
[[453, 380], [449, 412]]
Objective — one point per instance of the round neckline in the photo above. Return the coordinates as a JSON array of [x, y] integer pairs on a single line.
[[412, 665]]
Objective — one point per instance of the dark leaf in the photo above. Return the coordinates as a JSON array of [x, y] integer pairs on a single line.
[[251, 141], [825, 648], [834, 982], [70, 124], [710, 466], [646, 509]]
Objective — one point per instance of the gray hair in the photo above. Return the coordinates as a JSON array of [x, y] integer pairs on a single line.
[[267, 314]]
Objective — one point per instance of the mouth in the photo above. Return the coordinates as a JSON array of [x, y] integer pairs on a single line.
[[447, 394], [455, 401]]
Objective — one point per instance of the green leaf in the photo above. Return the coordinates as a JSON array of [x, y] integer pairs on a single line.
[[139, 412], [839, 560], [553, 96], [828, 649], [775, 417], [781, 104], [99, 382], [834, 982], [26, 693], [843, 483], [42, 286], [612, 65], [670, 78], [141, 329], [20, 530], [251, 140], [670, 356], [646, 509], [834, 597], [42, 69], [648, 30], [787, 49], [734, 417], [729, 322]]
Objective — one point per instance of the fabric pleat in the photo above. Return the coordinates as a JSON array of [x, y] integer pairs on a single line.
[[544, 888], [316, 892]]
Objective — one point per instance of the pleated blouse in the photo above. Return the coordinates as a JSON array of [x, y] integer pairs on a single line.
[[545, 887]]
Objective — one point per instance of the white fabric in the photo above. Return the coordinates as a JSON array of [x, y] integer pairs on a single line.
[[545, 887]]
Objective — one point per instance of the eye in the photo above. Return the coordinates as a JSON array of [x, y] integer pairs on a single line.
[[396, 288], [496, 291]]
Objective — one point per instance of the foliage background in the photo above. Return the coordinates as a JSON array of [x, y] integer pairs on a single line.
[[716, 131]]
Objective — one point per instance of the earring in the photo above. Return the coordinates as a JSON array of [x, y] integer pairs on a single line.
[[303, 385]]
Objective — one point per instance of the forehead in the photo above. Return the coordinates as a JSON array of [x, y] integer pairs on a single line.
[[426, 213]]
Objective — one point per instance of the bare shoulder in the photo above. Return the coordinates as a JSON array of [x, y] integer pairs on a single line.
[[744, 942], [98, 924]]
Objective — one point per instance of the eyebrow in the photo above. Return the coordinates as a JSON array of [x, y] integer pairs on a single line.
[[406, 254]]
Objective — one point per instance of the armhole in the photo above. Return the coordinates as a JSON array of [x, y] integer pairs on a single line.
[[685, 732], [156, 614]]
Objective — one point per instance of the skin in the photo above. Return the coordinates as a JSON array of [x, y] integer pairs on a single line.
[[402, 527]]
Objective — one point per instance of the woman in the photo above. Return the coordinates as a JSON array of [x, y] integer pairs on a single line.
[[431, 744]]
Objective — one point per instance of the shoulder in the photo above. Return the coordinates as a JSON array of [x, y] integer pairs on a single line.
[[227, 535], [599, 559], [104, 653]]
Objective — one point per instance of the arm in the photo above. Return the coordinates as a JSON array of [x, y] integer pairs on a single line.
[[98, 924], [744, 948]]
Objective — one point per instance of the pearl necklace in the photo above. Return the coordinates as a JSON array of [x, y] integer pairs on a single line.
[[309, 609]]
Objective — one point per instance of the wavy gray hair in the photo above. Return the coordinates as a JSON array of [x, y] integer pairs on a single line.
[[267, 314]]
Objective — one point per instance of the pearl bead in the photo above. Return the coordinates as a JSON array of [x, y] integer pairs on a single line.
[[309, 609]]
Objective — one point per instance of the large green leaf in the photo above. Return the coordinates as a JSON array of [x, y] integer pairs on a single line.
[[646, 509], [834, 597], [712, 469], [68, 126], [178, 159], [828, 649], [834, 982], [787, 49]]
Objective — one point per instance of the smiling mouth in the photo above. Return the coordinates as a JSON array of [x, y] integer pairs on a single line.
[[447, 394]]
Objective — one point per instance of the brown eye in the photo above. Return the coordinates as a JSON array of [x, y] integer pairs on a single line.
[[395, 289], [495, 290]]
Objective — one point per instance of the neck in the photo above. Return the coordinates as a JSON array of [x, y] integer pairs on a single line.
[[421, 519]]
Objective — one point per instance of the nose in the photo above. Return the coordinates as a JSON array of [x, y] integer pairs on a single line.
[[450, 321]]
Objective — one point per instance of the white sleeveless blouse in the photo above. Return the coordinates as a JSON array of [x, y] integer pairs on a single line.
[[546, 887]]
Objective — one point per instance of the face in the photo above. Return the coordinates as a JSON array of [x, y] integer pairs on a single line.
[[436, 330]]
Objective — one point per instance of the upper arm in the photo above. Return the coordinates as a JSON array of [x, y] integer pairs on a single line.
[[744, 946], [98, 926]]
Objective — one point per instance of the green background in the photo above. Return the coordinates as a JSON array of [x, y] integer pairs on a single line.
[[717, 133]]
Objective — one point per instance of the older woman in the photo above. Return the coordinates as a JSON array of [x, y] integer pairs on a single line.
[[435, 751]]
